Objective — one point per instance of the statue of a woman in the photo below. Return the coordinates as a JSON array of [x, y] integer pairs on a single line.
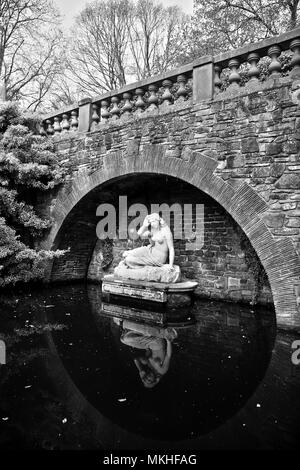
[[149, 262], [160, 248], [155, 342]]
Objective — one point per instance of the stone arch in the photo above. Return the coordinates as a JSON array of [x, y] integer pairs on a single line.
[[247, 208]]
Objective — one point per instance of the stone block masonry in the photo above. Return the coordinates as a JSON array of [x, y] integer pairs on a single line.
[[219, 266]]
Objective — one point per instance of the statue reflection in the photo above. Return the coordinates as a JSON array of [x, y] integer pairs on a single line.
[[156, 342]]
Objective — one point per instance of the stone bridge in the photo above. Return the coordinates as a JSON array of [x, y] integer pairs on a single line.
[[197, 134]]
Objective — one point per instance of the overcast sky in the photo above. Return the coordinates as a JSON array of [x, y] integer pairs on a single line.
[[69, 8]]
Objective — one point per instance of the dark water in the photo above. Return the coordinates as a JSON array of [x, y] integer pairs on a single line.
[[75, 378]]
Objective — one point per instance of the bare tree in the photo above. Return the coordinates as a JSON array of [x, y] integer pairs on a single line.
[[154, 36], [63, 93], [97, 59], [30, 49], [145, 32], [173, 31], [116, 41]]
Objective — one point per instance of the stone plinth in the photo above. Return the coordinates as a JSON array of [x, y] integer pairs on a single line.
[[178, 293], [139, 311], [132, 313]]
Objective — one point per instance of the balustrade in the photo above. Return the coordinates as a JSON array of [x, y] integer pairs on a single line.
[[65, 124], [57, 127], [275, 65], [182, 91], [272, 48], [234, 76], [295, 62], [127, 107], [238, 68], [140, 103], [253, 72], [153, 98], [167, 96], [95, 115], [105, 114]]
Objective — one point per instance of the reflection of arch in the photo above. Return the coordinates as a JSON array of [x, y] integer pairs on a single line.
[[278, 256], [167, 412]]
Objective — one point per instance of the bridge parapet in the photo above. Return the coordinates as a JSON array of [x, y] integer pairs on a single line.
[[148, 95], [248, 57], [206, 78]]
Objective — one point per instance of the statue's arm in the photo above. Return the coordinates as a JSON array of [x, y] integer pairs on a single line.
[[145, 234], [166, 363], [143, 231], [163, 369], [170, 244], [138, 363]]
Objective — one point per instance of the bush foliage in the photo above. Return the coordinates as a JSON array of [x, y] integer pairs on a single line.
[[28, 167]]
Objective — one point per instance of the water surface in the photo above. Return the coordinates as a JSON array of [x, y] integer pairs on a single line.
[[74, 377]]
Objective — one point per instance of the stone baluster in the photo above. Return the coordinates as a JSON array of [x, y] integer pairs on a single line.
[[74, 120], [115, 111], [65, 124], [50, 130], [217, 79], [167, 96], [153, 98], [95, 115], [57, 127], [275, 65], [105, 114], [253, 72], [140, 103], [234, 76], [182, 91], [295, 62], [42, 130], [127, 108]]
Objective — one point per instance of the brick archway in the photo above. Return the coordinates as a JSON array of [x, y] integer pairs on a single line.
[[278, 256]]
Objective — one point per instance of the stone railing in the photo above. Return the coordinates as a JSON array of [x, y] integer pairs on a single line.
[[150, 95], [64, 120], [251, 55], [195, 82]]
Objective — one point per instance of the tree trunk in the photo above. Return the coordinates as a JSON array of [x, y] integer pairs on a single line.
[[3, 95], [293, 10]]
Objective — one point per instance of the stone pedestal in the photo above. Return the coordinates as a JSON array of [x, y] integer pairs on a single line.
[[127, 312], [141, 312], [176, 294]]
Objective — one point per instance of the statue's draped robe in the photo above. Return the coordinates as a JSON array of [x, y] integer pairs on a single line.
[[144, 256], [147, 264]]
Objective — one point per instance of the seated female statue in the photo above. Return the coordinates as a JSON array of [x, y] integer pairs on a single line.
[[159, 250]]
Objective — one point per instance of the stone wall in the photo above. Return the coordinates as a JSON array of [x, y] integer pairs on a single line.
[[242, 149], [219, 266]]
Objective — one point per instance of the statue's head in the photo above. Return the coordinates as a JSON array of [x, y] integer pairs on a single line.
[[149, 378], [156, 221]]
